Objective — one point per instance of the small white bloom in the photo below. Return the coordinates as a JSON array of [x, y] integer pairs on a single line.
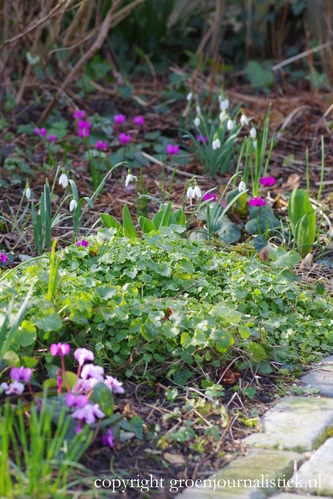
[[216, 144], [28, 193], [197, 191], [220, 98], [198, 110], [63, 180], [223, 115], [244, 120], [242, 186], [197, 121], [254, 143], [224, 104], [72, 205], [130, 178], [230, 125], [253, 133], [190, 193], [189, 96]]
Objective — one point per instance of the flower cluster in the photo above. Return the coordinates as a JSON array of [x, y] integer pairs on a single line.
[[193, 191], [17, 374], [41, 132], [83, 243]]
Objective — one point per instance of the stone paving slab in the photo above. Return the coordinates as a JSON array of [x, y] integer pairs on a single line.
[[295, 423], [321, 377], [319, 468], [258, 467]]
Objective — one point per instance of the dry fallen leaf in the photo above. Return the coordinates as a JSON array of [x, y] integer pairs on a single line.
[[174, 458], [128, 412], [292, 183]]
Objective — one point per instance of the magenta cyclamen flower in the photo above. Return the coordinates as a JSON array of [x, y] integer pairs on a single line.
[[171, 149], [77, 401], [257, 202], [88, 413], [124, 139], [82, 354], [119, 119], [40, 131], [267, 181], [60, 349], [3, 258], [83, 243], [83, 128], [139, 120], [92, 371], [108, 438], [79, 114], [113, 384], [51, 137], [101, 146], [13, 388], [200, 138], [21, 373], [209, 197]]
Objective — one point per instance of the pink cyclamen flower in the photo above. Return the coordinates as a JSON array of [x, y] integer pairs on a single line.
[[60, 349], [77, 401], [13, 388], [139, 120], [119, 119], [101, 146], [79, 114], [3, 258], [83, 243], [88, 413], [82, 354], [51, 137], [83, 128], [20, 373], [108, 438], [267, 181], [113, 384], [92, 371], [124, 139], [201, 139], [210, 197], [171, 149], [257, 202], [40, 131]]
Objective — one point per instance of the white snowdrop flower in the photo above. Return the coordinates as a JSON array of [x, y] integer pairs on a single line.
[[63, 180], [242, 186], [244, 120], [223, 115], [220, 98], [230, 125], [189, 96], [197, 191], [253, 133], [224, 104], [190, 193], [130, 178], [197, 121], [28, 193], [198, 110], [72, 205], [216, 144], [254, 143]]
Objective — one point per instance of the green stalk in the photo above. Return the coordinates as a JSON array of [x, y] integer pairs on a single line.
[[307, 171], [322, 167]]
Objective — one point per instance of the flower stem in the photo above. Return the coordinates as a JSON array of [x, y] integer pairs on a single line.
[[64, 373]]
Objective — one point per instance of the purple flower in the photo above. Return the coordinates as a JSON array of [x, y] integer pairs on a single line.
[[92, 371], [3, 258], [78, 401], [88, 413], [21, 373], [171, 149], [113, 384], [108, 438], [78, 429], [60, 349], [257, 202], [51, 137], [200, 138], [83, 128], [14, 387], [267, 181], [83, 243], [79, 114], [139, 120], [119, 119], [82, 354], [40, 131], [101, 146], [209, 196], [124, 139]]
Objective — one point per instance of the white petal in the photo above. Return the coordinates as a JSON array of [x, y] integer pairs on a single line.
[[253, 133], [72, 205], [242, 186], [190, 193], [28, 193], [197, 191], [197, 121], [244, 120], [189, 96]]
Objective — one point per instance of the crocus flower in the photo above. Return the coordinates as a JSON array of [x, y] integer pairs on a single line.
[[101, 146], [197, 191], [83, 128], [13, 388], [189, 96], [78, 401], [202, 139], [3, 258], [60, 349], [119, 119], [209, 196], [196, 121], [108, 438], [63, 180], [20, 373], [92, 371], [40, 131], [82, 354], [172, 150], [72, 205], [242, 186], [253, 133], [139, 120], [216, 144], [123, 138], [267, 181], [257, 202], [88, 413], [79, 114], [113, 384], [244, 120], [130, 178], [51, 137]]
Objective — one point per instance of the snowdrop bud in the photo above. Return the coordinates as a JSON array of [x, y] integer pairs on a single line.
[[72, 205], [230, 125], [130, 178], [220, 98], [224, 104], [244, 120], [197, 121], [223, 115], [254, 143], [63, 180], [242, 186], [253, 133], [189, 96], [190, 193], [197, 191], [28, 193], [198, 110], [216, 144]]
